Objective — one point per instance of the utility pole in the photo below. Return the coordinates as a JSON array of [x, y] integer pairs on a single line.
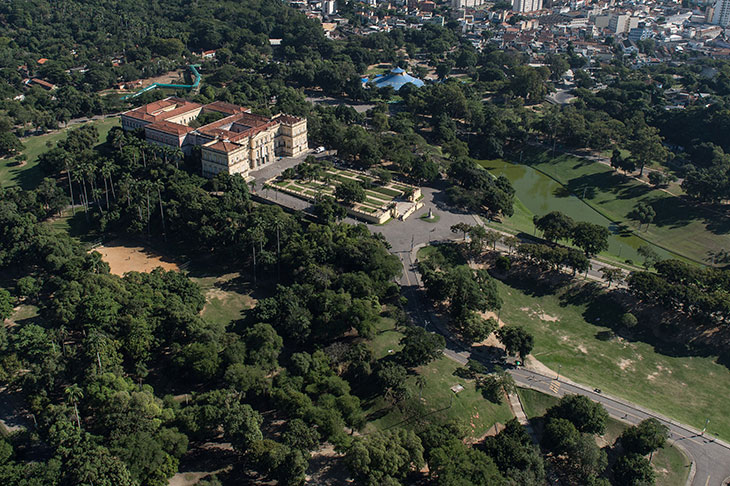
[[707, 421]]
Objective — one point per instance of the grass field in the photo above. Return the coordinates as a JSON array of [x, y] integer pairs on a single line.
[[682, 387], [568, 334], [226, 297], [670, 464], [534, 403], [590, 191], [468, 407], [29, 175]]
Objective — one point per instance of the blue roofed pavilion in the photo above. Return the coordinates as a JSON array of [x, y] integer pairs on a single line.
[[396, 80]]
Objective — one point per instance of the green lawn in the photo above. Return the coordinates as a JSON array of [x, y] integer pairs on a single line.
[[29, 175], [682, 387], [671, 465], [75, 225], [225, 297], [435, 218], [535, 403], [468, 407], [546, 184], [387, 192]]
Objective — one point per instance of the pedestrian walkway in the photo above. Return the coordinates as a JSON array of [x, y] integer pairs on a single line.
[[519, 412]]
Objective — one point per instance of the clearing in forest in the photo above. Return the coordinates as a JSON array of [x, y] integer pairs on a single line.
[[129, 257]]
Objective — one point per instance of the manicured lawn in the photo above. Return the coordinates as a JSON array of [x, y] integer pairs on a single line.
[[546, 184], [468, 407], [387, 192], [24, 312], [75, 225], [29, 175], [685, 388], [435, 218], [538, 195], [377, 198]]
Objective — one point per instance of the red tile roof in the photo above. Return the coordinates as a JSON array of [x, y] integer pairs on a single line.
[[43, 83], [224, 146], [154, 112], [223, 107], [169, 127]]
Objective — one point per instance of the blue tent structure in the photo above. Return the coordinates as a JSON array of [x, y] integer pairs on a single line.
[[396, 79]]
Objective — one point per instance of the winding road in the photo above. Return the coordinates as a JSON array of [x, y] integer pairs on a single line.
[[710, 458]]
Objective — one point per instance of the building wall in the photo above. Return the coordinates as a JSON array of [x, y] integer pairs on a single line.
[[721, 14], [525, 6], [466, 3], [261, 147], [234, 162], [129, 123], [185, 118], [291, 139], [164, 139], [284, 139]]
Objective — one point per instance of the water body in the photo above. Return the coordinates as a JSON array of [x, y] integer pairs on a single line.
[[540, 194]]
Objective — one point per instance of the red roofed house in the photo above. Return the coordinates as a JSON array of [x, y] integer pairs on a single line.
[[237, 143], [42, 83]]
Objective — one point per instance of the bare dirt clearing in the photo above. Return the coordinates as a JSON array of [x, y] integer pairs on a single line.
[[125, 257]]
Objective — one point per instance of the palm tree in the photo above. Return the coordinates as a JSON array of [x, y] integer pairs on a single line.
[[67, 160], [118, 139], [74, 394], [278, 224], [159, 186], [106, 170], [177, 155], [255, 235]]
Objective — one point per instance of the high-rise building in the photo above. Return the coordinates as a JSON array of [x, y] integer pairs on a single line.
[[459, 4], [329, 7], [721, 15], [525, 6]]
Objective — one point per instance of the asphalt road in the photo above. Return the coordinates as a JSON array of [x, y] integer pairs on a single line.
[[710, 458]]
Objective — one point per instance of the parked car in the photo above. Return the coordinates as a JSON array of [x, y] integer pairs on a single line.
[[319, 150]]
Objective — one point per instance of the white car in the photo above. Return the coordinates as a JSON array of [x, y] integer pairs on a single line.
[[319, 150]]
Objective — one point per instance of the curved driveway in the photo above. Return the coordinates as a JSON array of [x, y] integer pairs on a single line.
[[710, 458]]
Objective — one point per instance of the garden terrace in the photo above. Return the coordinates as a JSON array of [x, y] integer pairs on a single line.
[[383, 200]]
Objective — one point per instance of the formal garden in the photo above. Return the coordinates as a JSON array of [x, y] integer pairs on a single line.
[[372, 196]]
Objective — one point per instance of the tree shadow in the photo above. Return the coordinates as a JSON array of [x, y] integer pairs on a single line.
[[679, 211], [527, 281]]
